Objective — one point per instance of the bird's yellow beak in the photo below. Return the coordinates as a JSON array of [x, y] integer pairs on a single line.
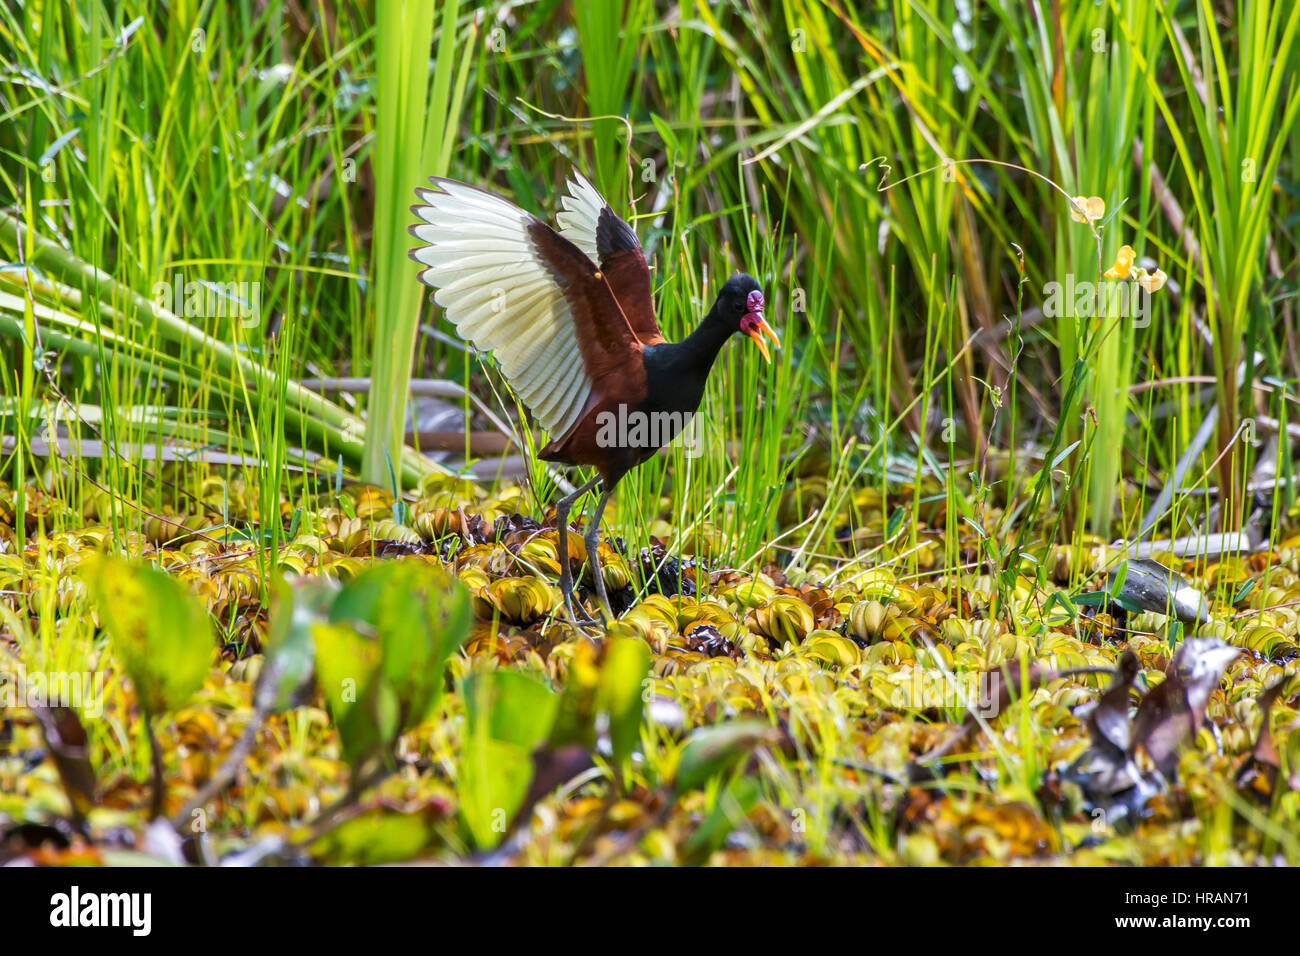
[[757, 330]]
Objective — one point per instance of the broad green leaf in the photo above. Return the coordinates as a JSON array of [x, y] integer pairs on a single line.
[[1246, 588], [1091, 599], [347, 669], [494, 778], [160, 632], [733, 805], [896, 518], [627, 661], [381, 658], [1127, 604], [517, 708], [712, 750], [375, 838], [1064, 453], [575, 723], [508, 714], [1117, 579], [420, 615]]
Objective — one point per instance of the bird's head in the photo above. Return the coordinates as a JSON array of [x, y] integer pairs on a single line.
[[740, 306]]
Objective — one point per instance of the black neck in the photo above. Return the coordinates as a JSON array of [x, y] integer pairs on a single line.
[[677, 371], [699, 350]]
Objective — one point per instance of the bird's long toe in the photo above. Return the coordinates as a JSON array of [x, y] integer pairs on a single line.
[[581, 618], [577, 613]]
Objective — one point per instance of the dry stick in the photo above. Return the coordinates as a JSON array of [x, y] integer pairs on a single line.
[[433, 388], [874, 771], [141, 508], [1164, 502], [54, 745], [1266, 424], [156, 762], [225, 773], [1205, 474], [228, 556], [1271, 484], [304, 403], [343, 809], [54, 386], [60, 446], [1260, 610], [1169, 407]]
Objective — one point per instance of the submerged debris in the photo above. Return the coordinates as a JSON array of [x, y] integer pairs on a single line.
[[1148, 585]]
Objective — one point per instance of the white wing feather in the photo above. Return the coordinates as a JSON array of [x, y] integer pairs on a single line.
[[579, 213], [499, 294]]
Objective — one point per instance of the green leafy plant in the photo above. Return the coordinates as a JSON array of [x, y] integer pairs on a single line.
[[382, 654], [163, 637], [508, 715]]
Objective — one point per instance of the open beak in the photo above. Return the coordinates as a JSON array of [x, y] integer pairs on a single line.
[[757, 329]]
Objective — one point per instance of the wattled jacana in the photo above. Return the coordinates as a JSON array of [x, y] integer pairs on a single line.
[[570, 318]]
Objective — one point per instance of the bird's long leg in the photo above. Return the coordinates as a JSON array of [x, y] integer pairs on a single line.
[[562, 548], [592, 540]]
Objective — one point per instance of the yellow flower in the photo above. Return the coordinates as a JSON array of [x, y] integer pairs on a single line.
[[1123, 264], [1152, 281], [1094, 207]]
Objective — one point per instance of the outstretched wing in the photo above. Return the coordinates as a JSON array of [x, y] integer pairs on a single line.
[[589, 223], [511, 284]]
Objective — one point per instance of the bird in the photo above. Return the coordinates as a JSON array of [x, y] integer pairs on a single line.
[[569, 315]]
